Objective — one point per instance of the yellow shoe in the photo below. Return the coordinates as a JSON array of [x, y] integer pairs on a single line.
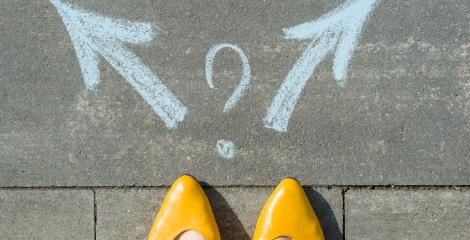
[[288, 213], [185, 207]]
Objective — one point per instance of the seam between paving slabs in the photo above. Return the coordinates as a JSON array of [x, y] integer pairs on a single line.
[[95, 214], [345, 188], [343, 199]]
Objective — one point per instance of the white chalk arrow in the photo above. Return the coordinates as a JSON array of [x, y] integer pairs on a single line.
[[93, 35], [338, 29]]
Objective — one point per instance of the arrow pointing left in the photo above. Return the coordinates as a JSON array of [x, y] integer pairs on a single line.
[[93, 35]]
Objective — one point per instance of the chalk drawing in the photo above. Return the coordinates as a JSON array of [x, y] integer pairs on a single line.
[[244, 83], [338, 29], [226, 148], [93, 35]]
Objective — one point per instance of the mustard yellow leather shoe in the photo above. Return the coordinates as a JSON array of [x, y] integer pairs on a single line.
[[185, 208], [288, 213]]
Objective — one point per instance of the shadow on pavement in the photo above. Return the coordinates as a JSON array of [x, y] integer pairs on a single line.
[[328, 221], [229, 225]]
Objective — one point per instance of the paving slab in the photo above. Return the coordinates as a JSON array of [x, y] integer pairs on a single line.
[[407, 214], [129, 214], [402, 117], [46, 214]]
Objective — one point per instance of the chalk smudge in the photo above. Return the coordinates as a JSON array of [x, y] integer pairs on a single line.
[[226, 148]]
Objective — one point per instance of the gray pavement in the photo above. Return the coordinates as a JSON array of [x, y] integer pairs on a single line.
[[46, 214], [402, 118], [420, 214], [128, 214], [381, 157]]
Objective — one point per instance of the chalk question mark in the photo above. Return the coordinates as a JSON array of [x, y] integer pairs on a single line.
[[226, 148]]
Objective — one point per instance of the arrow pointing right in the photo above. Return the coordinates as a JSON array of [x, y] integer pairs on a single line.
[[338, 29], [93, 35]]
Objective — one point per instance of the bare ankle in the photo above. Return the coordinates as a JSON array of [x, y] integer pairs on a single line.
[[190, 235]]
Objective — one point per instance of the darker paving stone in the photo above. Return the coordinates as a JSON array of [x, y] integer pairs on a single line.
[[407, 214], [128, 214], [46, 214]]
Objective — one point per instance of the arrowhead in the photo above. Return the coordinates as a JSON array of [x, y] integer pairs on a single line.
[[87, 29], [342, 26], [94, 35], [89, 64], [338, 29], [105, 28]]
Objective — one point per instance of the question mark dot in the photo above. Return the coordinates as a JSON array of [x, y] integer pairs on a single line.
[[225, 148]]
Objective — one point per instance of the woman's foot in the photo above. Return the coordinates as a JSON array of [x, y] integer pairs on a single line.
[[288, 213], [191, 235], [185, 214]]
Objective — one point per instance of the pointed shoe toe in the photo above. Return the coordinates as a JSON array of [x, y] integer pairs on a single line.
[[185, 208], [288, 213]]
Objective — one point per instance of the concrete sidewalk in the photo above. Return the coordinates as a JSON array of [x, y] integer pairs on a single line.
[[112, 213], [401, 119], [104, 103]]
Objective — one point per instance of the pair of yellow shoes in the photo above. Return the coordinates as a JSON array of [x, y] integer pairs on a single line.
[[287, 213]]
